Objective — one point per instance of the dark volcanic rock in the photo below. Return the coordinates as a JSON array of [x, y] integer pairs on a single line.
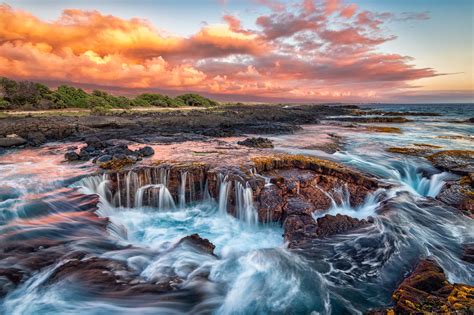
[[146, 151], [203, 244], [331, 225], [459, 194], [259, 142], [72, 156], [12, 141], [428, 291], [468, 253], [104, 158], [456, 161]]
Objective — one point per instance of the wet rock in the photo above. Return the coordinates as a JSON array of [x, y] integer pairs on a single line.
[[36, 138], [299, 229], [104, 158], [261, 143], [415, 151], [270, 204], [330, 225], [95, 143], [12, 141], [381, 119], [459, 194], [202, 244], [146, 151], [468, 253], [72, 156], [384, 129], [456, 161], [428, 291], [118, 162]]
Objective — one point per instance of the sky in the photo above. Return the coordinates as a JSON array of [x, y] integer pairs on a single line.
[[407, 51]]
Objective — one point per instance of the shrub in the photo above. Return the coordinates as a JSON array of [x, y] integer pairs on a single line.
[[158, 100], [191, 99]]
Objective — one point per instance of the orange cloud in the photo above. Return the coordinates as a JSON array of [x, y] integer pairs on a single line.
[[299, 51]]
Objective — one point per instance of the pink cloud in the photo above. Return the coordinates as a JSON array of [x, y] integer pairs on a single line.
[[304, 51]]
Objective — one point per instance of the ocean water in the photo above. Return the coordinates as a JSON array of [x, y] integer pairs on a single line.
[[253, 271]]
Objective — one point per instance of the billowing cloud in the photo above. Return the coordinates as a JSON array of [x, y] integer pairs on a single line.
[[313, 50]]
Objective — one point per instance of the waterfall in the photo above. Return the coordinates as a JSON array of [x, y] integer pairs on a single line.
[[245, 210], [224, 189], [182, 190], [158, 195], [340, 203]]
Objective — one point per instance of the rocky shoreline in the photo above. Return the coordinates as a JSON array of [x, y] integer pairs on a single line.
[[293, 191]]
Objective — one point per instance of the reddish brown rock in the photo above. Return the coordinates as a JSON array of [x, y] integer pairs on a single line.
[[331, 225], [428, 291]]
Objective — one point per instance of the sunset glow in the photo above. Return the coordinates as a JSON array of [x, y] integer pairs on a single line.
[[306, 51]]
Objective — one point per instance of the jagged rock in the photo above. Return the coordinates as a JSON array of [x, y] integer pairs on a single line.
[[202, 244], [261, 143], [72, 156], [270, 202], [456, 161], [36, 138], [468, 253], [146, 151], [331, 225], [428, 291], [459, 194], [299, 229]]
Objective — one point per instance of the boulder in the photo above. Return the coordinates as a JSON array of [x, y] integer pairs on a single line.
[[261, 143], [456, 161], [72, 156], [145, 151], [198, 242], [104, 158], [330, 225], [428, 291], [12, 141]]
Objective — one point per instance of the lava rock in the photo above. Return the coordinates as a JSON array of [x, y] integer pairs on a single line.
[[456, 161], [331, 225], [12, 141], [36, 138], [202, 244], [146, 151], [104, 158], [96, 143], [261, 143], [428, 291], [468, 253], [72, 156]]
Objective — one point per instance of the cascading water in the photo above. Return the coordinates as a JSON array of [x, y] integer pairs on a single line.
[[251, 272], [340, 203], [407, 174], [245, 210]]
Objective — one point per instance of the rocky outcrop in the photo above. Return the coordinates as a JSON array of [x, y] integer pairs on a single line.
[[11, 141], [108, 155], [459, 194], [260, 143], [286, 189], [428, 291], [456, 161]]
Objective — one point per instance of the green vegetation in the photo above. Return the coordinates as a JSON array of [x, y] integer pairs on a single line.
[[26, 95]]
